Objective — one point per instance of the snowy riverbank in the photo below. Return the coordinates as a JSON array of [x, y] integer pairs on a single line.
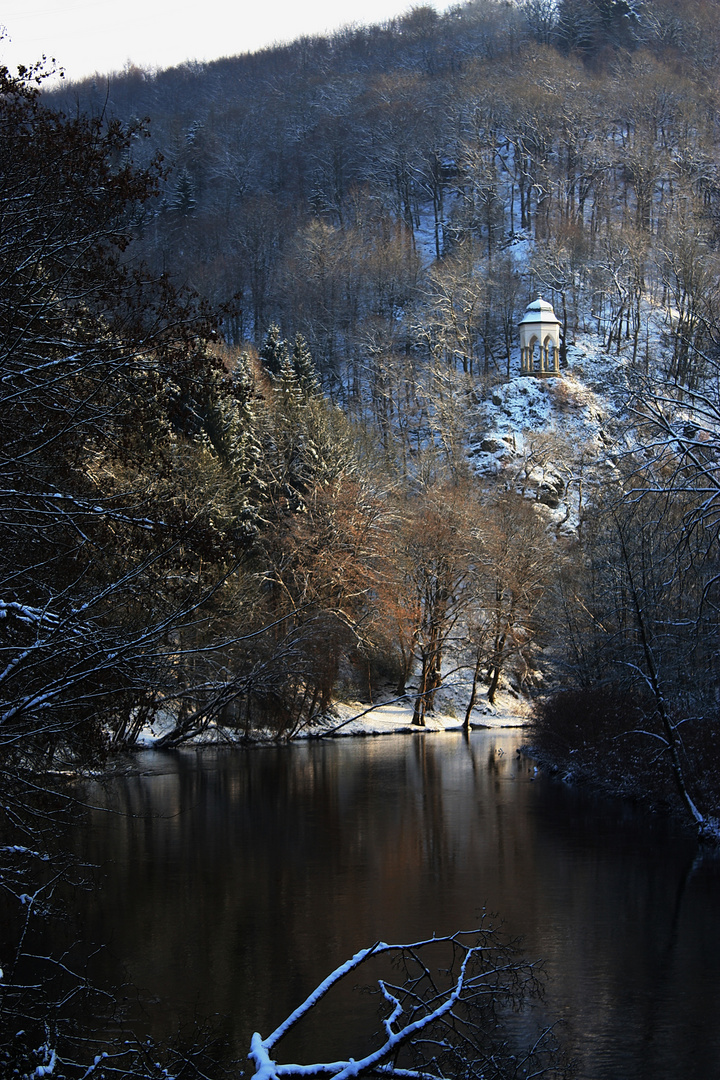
[[391, 718], [356, 718]]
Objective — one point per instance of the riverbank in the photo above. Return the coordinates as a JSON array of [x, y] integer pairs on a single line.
[[356, 718], [609, 745], [508, 711]]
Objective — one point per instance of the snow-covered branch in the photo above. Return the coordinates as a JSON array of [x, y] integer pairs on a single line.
[[444, 1017]]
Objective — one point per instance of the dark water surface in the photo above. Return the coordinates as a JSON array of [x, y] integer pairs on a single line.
[[233, 882]]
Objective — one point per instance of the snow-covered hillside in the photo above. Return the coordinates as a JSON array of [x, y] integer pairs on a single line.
[[548, 436]]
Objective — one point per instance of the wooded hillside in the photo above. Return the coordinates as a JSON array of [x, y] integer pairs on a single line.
[[255, 316], [313, 185], [238, 480]]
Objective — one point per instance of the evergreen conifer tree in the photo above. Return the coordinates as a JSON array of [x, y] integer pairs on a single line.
[[304, 367], [184, 202], [274, 350]]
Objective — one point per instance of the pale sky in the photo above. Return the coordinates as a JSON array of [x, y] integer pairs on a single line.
[[88, 36]]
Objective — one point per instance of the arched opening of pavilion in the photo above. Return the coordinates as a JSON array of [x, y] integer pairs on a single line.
[[539, 340]]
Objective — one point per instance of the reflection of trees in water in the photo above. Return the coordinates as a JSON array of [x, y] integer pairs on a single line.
[[245, 877], [438, 846], [228, 861], [666, 1018], [631, 943]]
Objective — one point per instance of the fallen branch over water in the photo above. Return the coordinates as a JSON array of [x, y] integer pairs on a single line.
[[444, 1005]]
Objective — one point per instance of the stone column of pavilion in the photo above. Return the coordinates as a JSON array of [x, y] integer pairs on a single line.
[[540, 327]]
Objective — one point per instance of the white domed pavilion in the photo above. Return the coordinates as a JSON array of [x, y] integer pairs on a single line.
[[539, 327]]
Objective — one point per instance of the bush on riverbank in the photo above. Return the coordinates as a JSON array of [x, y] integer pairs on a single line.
[[615, 739]]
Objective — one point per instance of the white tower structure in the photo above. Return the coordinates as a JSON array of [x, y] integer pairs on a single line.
[[540, 327]]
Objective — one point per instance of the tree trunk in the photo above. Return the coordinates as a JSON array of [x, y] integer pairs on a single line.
[[494, 680], [473, 694], [420, 701]]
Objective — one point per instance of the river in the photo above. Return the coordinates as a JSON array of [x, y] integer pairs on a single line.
[[232, 882]]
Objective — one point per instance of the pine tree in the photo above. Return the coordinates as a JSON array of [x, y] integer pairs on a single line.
[[304, 367], [274, 350], [184, 202]]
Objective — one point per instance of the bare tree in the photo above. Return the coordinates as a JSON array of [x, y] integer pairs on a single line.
[[518, 557], [424, 582], [640, 623], [457, 296]]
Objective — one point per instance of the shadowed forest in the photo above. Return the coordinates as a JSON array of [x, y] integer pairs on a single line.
[[255, 316], [253, 312]]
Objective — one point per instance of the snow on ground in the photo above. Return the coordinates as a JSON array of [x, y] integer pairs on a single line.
[[549, 436], [566, 407], [387, 719]]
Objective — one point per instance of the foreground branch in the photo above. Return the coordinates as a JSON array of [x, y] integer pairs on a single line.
[[444, 1016]]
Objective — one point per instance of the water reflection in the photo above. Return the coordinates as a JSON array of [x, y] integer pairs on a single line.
[[233, 882]]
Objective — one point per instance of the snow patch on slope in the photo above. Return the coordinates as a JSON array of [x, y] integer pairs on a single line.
[[545, 436]]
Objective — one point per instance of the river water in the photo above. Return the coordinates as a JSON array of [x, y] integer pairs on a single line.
[[232, 882]]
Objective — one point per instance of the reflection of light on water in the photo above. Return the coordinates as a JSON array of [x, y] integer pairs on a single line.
[[235, 881]]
